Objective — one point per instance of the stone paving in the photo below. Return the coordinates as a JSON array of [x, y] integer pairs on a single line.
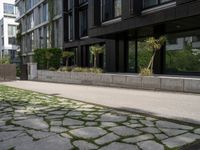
[[34, 121]]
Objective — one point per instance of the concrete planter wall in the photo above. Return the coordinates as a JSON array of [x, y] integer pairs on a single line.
[[165, 83]]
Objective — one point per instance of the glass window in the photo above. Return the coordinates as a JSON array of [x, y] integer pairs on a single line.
[[151, 3], [184, 55], [131, 56], [144, 54], [9, 8], [45, 12], [111, 9], [70, 27], [84, 23], [12, 30]]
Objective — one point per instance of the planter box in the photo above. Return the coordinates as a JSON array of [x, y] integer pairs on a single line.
[[164, 83]]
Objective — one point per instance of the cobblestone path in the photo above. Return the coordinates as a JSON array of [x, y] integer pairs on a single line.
[[34, 121]]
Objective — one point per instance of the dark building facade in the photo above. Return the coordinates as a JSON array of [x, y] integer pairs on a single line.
[[123, 27]]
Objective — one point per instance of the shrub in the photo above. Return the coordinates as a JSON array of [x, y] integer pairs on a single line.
[[145, 72], [40, 56], [18, 71], [52, 69], [65, 69], [92, 70], [5, 60]]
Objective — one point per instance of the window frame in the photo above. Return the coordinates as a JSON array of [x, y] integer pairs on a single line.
[[113, 11], [159, 3]]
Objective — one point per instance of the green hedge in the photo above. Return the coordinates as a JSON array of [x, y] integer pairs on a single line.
[[40, 58]]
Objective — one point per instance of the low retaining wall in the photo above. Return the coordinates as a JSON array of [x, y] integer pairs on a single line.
[[165, 83]]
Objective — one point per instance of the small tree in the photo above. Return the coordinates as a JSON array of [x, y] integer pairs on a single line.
[[48, 56], [155, 45], [67, 55], [96, 50]]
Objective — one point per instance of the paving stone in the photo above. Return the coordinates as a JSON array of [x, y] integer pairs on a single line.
[[56, 123], [124, 131], [133, 121], [39, 134], [150, 130], [66, 135], [15, 142], [36, 123], [108, 124], [112, 118], [107, 139], [70, 122], [58, 129], [138, 138], [74, 113], [133, 125], [119, 146], [8, 135], [57, 113], [171, 125], [150, 145], [180, 140], [88, 132], [51, 143], [197, 131], [91, 124], [161, 136], [147, 123], [172, 132], [83, 145], [54, 117]]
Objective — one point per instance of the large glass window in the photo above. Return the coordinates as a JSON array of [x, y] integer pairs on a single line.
[[152, 3], [83, 22], [111, 9], [9, 8], [45, 12], [70, 27], [144, 54], [12, 34], [183, 53]]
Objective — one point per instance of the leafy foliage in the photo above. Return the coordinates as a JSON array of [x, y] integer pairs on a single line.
[[66, 55], [5, 60], [185, 60], [95, 51], [153, 44], [47, 58], [145, 72]]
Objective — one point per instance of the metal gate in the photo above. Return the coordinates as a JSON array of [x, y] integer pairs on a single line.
[[7, 72]]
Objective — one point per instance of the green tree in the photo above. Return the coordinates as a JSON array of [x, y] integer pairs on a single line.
[[155, 45], [67, 55], [95, 51]]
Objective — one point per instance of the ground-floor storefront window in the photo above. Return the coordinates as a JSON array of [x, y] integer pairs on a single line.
[[183, 53], [180, 55]]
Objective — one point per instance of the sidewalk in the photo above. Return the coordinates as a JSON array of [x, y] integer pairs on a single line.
[[178, 106]]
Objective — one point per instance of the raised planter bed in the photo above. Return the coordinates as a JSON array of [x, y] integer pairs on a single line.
[[164, 83]]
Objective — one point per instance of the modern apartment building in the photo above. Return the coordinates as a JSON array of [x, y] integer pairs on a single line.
[[130, 22], [8, 29], [122, 26], [41, 25]]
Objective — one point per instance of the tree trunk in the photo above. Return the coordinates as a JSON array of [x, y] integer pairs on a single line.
[[95, 61], [67, 62]]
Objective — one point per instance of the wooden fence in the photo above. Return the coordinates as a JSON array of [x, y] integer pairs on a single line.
[[7, 72]]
